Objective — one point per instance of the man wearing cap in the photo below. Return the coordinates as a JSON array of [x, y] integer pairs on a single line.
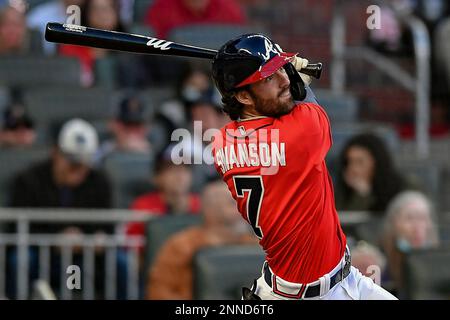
[[66, 179], [17, 128], [128, 128]]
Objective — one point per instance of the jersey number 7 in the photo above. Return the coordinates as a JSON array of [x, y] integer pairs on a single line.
[[255, 188]]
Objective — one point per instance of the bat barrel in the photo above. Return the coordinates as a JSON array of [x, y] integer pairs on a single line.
[[120, 41]]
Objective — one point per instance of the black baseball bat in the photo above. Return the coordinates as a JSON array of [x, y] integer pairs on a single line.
[[121, 41]]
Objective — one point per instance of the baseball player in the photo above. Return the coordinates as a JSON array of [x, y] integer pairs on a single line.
[[272, 157]]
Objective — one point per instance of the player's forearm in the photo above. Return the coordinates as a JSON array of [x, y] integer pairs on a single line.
[[310, 96]]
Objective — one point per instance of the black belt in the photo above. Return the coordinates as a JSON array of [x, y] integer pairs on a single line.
[[314, 290]]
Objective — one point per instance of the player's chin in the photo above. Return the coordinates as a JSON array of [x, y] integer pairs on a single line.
[[287, 103], [284, 108]]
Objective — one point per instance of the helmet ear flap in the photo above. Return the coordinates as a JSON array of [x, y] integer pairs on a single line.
[[298, 89]]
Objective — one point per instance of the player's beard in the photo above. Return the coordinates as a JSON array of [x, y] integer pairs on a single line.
[[277, 107]]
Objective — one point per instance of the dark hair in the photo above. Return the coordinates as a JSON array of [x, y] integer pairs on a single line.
[[163, 160], [387, 181], [231, 106], [186, 72], [85, 10]]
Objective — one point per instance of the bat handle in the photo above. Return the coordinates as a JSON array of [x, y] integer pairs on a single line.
[[313, 69]]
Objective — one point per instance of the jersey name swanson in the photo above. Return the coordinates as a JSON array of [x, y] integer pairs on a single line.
[[251, 155]]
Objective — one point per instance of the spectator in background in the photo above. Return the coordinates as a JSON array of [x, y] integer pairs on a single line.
[[14, 36], [172, 193], [100, 14], [171, 275], [66, 179], [52, 11], [173, 113], [17, 129], [395, 38], [369, 260], [165, 15], [129, 129], [205, 113], [409, 225], [368, 179]]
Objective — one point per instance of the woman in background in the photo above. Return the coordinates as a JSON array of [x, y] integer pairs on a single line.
[[409, 225], [99, 14], [368, 179]]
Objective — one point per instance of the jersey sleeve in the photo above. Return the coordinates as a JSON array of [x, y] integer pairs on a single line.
[[310, 96]]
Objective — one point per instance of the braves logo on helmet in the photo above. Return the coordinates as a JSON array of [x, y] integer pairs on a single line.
[[270, 46]]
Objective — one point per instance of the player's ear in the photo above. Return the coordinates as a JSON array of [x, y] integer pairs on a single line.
[[244, 97]]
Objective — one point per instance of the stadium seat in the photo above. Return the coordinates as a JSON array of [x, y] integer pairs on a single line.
[[159, 230], [444, 234], [103, 131], [342, 132], [444, 198], [106, 72], [140, 9], [130, 174], [340, 107], [53, 105], [155, 96], [31, 71], [221, 272], [426, 175], [142, 30], [427, 274], [5, 98], [211, 36], [14, 161], [370, 231], [34, 3]]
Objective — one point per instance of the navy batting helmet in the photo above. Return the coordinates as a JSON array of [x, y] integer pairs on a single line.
[[250, 58]]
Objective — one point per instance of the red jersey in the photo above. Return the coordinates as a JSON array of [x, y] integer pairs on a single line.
[[153, 203], [275, 169]]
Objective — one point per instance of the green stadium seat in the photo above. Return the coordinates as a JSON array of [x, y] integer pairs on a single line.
[[427, 274], [14, 161], [340, 107], [34, 3], [106, 72], [444, 234], [221, 272], [31, 71], [160, 229], [155, 96], [427, 176], [140, 9], [142, 30], [211, 36], [50, 106], [370, 231], [130, 174]]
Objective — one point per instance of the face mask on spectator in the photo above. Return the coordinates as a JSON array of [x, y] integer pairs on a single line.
[[405, 246]]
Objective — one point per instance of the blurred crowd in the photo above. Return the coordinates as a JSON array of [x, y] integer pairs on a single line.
[[396, 40], [76, 171]]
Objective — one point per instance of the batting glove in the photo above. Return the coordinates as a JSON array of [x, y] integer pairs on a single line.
[[299, 64]]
